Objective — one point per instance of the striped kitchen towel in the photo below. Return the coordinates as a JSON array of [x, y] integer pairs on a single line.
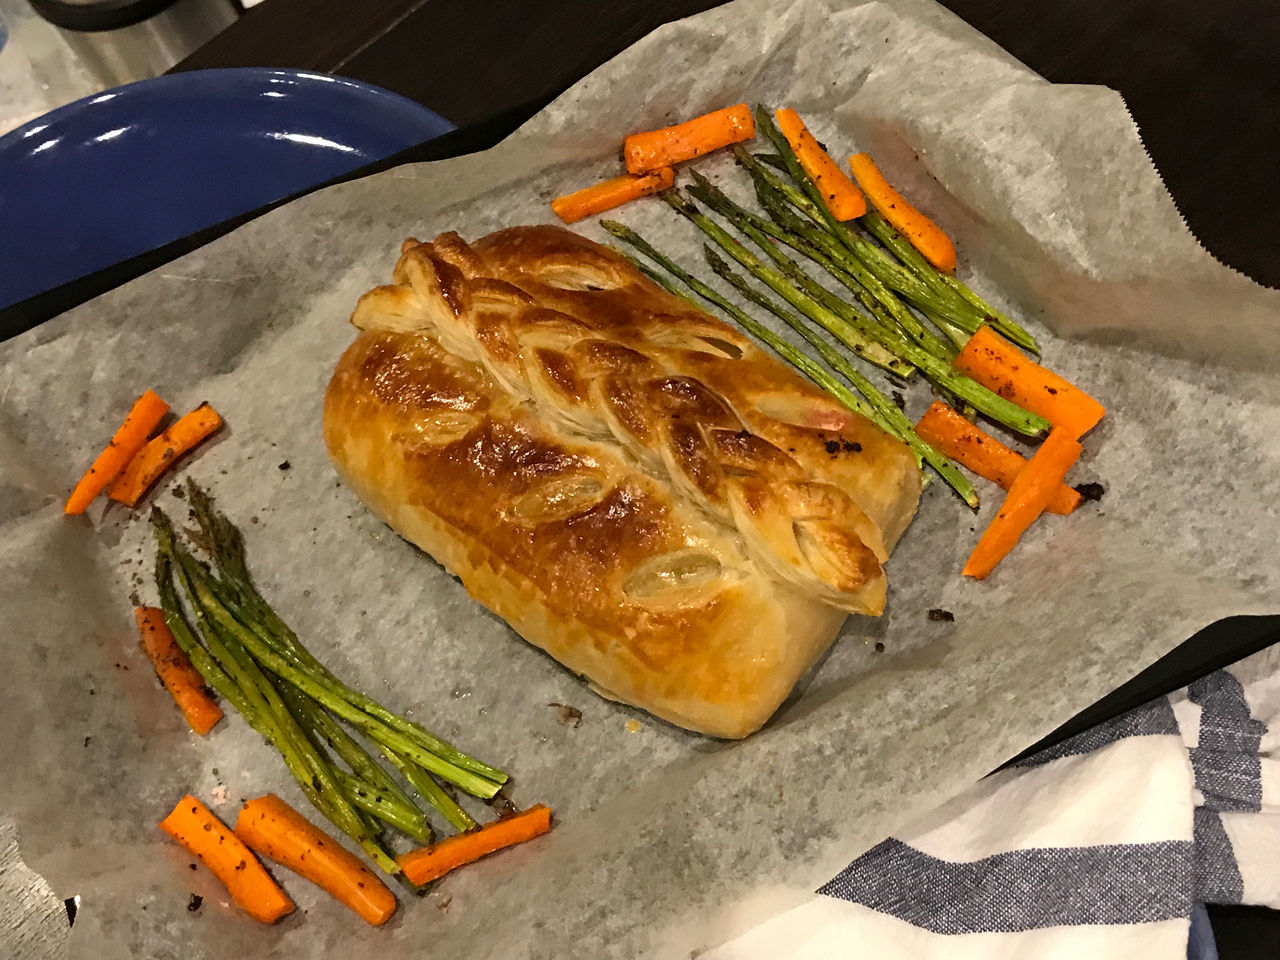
[[1103, 846]]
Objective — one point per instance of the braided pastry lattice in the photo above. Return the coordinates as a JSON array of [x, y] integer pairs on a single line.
[[602, 353]]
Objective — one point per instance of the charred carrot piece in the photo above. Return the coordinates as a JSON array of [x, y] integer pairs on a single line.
[[274, 829], [1001, 367], [147, 412], [840, 194], [608, 194], [1029, 496], [971, 447], [175, 671], [158, 455], [430, 863], [925, 235], [226, 856], [654, 149]]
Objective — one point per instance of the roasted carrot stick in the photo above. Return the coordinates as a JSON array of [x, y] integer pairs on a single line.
[[654, 149], [274, 829], [248, 882], [156, 457], [925, 235], [147, 412], [608, 194], [429, 863], [179, 677], [945, 430], [1029, 496], [1000, 366], [841, 195]]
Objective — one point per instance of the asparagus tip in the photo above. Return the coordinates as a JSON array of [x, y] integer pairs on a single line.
[[714, 260], [679, 201]]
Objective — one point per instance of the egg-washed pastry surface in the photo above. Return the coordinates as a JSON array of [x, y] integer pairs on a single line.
[[631, 484]]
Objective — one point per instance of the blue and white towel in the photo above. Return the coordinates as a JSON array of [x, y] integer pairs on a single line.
[[1104, 846]]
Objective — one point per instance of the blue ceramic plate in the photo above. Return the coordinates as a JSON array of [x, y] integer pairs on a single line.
[[114, 175]]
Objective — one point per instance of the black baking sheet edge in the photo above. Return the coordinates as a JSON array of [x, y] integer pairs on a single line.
[[1216, 646]]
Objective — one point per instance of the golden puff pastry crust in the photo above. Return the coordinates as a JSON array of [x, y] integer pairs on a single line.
[[631, 484]]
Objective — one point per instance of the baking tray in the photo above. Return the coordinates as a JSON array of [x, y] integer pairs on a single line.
[[1213, 648]]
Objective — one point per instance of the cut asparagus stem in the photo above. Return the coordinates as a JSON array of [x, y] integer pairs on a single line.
[[419, 778], [882, 330], [878, 323], [313, 771], [431, 791], [942, 297], [210, 609], [804, 363], [364, 796], [829, 354], [890, 415], [370, 772], [262, 668], [847, 269], [869, 264], [817, 210], [891, 273], [813, 206], [859, 341], [339, 704], [373, 711], [792, 283], [876, 407], [237, 592], [363, 766], [265, 711], [767, 182], [944, 283], [937, 371]]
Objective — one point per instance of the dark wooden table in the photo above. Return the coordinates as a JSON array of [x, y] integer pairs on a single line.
[[1202, 80]]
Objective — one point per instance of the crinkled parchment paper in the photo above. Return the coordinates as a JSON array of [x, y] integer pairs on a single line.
[[667, 842]]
